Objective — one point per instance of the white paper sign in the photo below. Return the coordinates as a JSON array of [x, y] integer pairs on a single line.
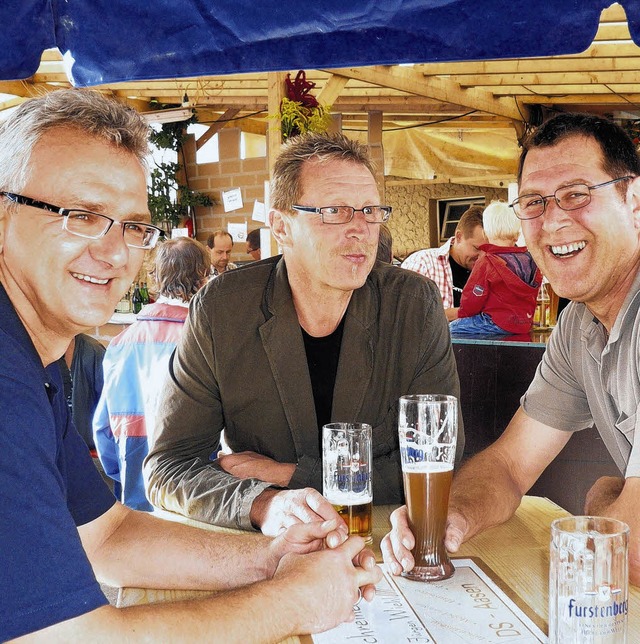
[[258, 212], [468, 607], [179, 232], [238, 232], [232, 199]]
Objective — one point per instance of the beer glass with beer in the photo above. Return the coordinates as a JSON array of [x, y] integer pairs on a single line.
[[428, 429], [346, 465]]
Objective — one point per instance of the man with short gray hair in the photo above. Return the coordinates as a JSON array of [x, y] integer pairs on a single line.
[[280, 347], [74, 228]]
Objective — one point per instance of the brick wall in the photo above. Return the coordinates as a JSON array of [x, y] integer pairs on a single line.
[[230, 172], [415, 208]]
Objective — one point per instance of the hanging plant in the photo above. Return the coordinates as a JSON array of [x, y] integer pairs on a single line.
[[300, 112], [170, 202]]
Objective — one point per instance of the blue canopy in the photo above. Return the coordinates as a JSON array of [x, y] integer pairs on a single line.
[[120, 40]]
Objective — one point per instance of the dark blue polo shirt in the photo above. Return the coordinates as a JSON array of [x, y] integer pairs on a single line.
[[48, 486]]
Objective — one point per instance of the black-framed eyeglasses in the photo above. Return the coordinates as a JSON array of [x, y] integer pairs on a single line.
[[577, 195], [344, 214], [91, 225]]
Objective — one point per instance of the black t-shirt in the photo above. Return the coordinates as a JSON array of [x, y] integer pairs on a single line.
[[460, 276], [322, 359]]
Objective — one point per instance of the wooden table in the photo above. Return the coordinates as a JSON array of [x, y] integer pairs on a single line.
[[517, 552]]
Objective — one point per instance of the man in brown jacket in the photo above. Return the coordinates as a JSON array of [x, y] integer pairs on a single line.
[[273, 351]]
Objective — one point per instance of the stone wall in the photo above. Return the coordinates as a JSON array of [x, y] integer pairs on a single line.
[[413, 224]]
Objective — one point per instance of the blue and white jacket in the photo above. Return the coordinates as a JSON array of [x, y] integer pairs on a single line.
[[135, 366]]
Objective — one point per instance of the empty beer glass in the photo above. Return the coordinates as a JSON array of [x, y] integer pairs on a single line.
[[346, 465], [428, 429], [588, 581]]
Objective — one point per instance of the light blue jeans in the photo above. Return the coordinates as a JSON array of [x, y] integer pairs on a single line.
[[480, 324]]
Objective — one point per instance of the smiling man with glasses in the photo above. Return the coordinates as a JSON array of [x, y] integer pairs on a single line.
[[579, 202], [62, 270], [278, 348]]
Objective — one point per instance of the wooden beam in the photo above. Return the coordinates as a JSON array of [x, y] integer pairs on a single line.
[[403, 79], [214, 128], [274, 134], [332, 89]]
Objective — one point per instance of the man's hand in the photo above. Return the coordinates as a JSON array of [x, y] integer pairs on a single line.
[[452, 313], [302, 538], [396, 546], [324, 584], [273, 511], [247, 465]]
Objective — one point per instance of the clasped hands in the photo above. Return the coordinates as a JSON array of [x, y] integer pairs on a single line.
[[280, 512]]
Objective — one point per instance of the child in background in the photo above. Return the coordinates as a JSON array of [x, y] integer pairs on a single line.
[[500, 295]]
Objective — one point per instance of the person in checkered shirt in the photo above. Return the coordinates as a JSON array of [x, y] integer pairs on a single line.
[[450, 265]]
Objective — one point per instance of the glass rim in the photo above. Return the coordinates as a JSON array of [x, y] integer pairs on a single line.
[[428, 398], [580, 522], [340, 426]]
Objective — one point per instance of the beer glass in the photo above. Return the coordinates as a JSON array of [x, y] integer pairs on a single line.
[[346, 466], [428, 429], [588, 581]]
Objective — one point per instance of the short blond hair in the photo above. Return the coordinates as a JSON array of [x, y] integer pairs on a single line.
[[500, 222]]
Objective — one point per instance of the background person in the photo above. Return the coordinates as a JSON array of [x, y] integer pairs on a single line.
[[579, 202], [385, 245], [253, 244], [60, 523], [450, 265], [276, 350], [136, 366], [500, 295], [220, 245], [81, 370]]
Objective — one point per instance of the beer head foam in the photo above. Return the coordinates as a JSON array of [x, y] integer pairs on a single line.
[[427, 467]]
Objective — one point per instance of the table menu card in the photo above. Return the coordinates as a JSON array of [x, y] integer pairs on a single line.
[[468, 607]]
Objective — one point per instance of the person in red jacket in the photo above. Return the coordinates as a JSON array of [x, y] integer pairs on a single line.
[[500, 295]]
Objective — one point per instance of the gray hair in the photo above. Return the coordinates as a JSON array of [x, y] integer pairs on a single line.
[[285, 184], [84, 110]]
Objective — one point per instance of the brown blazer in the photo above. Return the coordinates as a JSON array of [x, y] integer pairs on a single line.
[[241, 366]]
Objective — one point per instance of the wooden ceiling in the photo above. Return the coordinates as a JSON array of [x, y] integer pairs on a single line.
[[448, 97]]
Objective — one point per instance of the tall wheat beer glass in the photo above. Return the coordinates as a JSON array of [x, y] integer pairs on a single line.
[[428, 429], [346, 470]]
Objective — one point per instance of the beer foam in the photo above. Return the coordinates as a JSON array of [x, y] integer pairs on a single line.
[[347, 498], [425, 467]]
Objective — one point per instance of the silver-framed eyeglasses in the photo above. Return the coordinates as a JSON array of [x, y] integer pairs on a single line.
[[577, 195], [92, 225], [344, 214]]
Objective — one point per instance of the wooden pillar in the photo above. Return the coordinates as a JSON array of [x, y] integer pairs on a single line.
[[376, 149], [276, 84]]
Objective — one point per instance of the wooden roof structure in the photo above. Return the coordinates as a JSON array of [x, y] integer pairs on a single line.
[[493, 100]]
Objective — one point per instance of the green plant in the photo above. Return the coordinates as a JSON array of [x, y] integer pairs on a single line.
[[170, 200], [298, 118]]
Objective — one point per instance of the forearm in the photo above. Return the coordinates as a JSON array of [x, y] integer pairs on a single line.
[[264, 612], [618, 498], [201, 490], [145, 551], [484, 492]]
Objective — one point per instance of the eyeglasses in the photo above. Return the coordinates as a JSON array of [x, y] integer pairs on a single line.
[[344, 214], [91, 225], [577, 195]]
